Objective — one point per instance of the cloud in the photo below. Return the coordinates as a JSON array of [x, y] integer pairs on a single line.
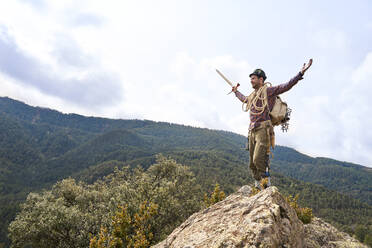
[[330, 39], [89, 86], [369, 25], [67, 52], [37, 4], [194, 94], [335, 125], [87, 19], [34, 97], [355, 116], [313, 126]]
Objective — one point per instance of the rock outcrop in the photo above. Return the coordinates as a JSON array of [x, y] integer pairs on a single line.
[[262, 220], [322, 234]]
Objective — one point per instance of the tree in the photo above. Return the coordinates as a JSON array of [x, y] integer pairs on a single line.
[[360, 232], [128, 230], [368, 240], [216, 196], [62, 217], [70, 213]]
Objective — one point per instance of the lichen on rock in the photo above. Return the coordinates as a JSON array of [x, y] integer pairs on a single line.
[[262, 220]]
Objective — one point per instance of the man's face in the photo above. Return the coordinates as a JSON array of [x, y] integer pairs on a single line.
[[256, 82]]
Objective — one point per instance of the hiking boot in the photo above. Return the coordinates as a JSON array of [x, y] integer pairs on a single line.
[[265, 182]]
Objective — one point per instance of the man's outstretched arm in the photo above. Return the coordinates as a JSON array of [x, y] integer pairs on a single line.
[[281, 88], [239, 95]]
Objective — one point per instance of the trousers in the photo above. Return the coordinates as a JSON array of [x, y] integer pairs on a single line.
[[259, 149]]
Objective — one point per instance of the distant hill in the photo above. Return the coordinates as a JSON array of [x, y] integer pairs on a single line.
[[40, 146]]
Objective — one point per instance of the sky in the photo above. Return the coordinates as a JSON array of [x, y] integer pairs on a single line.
[[156, 60]]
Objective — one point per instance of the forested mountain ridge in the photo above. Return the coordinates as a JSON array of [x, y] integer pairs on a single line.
[[52, 137], [37, 115], [40, 146]]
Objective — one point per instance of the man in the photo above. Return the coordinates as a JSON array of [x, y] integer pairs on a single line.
[[261, 134]]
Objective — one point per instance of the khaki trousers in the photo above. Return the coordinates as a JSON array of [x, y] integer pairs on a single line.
[[259, 151]]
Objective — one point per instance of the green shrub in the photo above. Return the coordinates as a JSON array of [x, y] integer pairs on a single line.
[[254, 191], [216, 196], [368, 240], [73, 212], [128, 230], [304, 214]]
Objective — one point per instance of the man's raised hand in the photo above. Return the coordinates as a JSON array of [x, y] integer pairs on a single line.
[[306, 66], [235, 88]]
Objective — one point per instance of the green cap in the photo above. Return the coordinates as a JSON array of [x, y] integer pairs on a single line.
[[259, 73]]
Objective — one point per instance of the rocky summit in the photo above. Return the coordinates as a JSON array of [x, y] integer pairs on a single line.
[[262, 220]]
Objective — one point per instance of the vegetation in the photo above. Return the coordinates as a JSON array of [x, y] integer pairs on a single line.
[[216, 196], [39, 147], [368, 238], [364, 234], [348, 178], [128, 230], [254, 191], [304, 214], [152, 204]]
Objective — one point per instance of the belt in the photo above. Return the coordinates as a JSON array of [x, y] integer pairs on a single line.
[[262, 124]]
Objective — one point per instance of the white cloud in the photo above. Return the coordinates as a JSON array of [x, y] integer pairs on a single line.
[[355, 117], [369, 25], [88, 86], [330, 39], [336, 125], [194, 94], [34, 97], [37, 4], [313, 126]]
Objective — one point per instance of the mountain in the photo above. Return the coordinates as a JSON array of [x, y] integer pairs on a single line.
[[40, 146], [348, 178]]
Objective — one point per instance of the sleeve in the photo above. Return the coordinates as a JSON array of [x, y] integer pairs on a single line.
[[240, 96], [281, 88]]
